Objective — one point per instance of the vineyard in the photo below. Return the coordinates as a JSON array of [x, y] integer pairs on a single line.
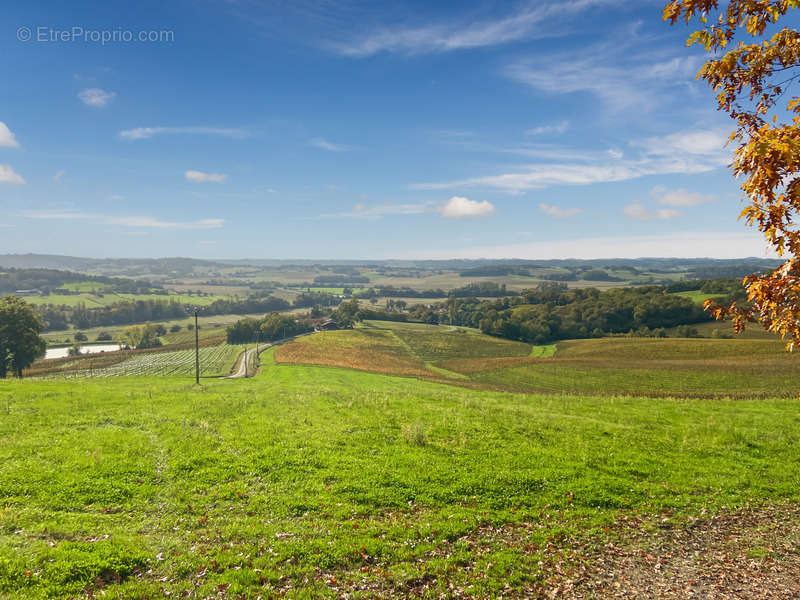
[[216, 360]]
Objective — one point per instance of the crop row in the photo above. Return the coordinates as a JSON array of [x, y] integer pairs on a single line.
[[214, 360]]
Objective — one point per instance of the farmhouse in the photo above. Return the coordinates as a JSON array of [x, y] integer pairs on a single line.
[[327, 325]]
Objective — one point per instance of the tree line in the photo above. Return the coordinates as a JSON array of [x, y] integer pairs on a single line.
[[273, 326], [551, 312], [139, 311]]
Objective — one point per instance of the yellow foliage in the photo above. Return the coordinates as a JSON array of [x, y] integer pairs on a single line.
[[751, 80]]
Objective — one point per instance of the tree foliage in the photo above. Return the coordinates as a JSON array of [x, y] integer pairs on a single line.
[[20, 343], [274, 326], [753, 65], [142, 336]]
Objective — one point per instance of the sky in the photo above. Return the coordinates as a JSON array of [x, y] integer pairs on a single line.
[[344, 129]]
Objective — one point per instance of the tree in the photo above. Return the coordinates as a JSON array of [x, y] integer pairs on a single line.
[[346, 313], [751, 72], [20, 344]]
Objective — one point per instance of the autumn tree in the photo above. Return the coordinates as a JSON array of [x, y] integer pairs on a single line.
[[753, 67], [20, 344]]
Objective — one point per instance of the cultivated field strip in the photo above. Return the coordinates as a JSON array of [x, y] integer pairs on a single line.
[[214, 361]]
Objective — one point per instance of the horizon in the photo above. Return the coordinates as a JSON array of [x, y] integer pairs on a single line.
[[390, 260]]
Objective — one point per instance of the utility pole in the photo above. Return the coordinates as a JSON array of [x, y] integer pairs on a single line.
[[196, 350]]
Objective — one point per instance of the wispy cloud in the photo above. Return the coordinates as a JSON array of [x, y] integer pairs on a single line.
[[59, 174], [362, 211], [124, 221], [324, 144], [8, 175], [459, 207], [201, 177], [455, 208], [698, 142], [527, 23], [7, 139], [619, 78], [555, 128], [679, 197], [639, 212], [96, 97], [673, 153], [144, 133], [551, 210]]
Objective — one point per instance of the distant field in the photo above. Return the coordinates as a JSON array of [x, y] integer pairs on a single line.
[[699, 297], [108, 298], [725, 328], [607, 366], [210, 326]]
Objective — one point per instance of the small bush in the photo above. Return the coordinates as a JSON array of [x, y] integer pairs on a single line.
[[415, 435]]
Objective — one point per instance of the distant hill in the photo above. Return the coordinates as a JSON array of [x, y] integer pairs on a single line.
[[132, 267]]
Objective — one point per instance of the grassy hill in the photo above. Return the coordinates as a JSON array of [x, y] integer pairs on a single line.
[[705, 368], [315, 481]]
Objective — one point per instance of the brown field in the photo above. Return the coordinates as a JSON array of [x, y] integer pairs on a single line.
[[700, 368], [365, 350], [469, 366]]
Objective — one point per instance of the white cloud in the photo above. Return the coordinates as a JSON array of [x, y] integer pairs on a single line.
[[446, 37], [615, 154], [7, 139], [657, 156], [552, 210], [144, 133], [201, 177], [8, 175], [324, 144], [556, 128], [679, 197], [129, 221], [459, 207], [59, 174], [638, 211], [711, 244], [96, 97]]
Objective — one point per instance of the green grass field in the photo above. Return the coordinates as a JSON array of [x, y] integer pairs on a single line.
[[317, 481], [107, 298], [699, 297], [439, 479]]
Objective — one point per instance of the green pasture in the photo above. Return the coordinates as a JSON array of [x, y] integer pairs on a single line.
[[318, 482]]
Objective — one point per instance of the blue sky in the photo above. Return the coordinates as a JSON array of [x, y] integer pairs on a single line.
[[345, 129]]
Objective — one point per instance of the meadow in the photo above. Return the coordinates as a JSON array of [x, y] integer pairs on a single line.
[[408, 461], [318, 482]]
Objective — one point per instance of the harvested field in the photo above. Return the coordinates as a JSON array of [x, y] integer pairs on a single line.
[[366, 350]]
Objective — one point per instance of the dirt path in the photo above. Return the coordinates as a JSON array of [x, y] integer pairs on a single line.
[[241, 371]]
